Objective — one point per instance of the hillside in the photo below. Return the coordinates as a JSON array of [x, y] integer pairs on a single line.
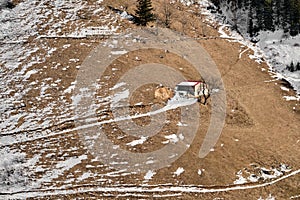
[[273, 25], [72, 126]]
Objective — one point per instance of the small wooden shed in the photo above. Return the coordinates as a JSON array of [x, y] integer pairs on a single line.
[[191, 89]]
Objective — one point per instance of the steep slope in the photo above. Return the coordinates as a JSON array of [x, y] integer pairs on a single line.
[[273, 26], [45, 155]]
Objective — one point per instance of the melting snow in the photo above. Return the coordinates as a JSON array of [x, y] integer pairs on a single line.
[[120, 52], [118, 97], [179, 171], [118, 85], [199, 172], [19, 60], [137, 142], [263, 174], [181, 124], [149, 175], [241, 179], [70, 162], [284, 88], [291, 98], [270, 197], [172, 138]]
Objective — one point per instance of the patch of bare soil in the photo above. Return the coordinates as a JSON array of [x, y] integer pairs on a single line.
[[236, 113]]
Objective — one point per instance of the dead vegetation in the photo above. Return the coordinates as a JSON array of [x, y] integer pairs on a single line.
[[256, 114]]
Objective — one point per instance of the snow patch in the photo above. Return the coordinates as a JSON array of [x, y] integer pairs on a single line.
[[240, 178], [149, 175], [179, 171], [137, 142], [172, 138]]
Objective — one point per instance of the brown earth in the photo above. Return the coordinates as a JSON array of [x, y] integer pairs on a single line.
[[261, 127]]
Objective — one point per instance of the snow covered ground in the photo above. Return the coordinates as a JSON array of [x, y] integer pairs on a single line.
[[280, 51], [29, 108], [277, 48]]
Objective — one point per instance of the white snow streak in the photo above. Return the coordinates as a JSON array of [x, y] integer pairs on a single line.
[[152, 189]]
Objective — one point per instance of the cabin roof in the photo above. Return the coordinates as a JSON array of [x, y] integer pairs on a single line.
[[188, 83]]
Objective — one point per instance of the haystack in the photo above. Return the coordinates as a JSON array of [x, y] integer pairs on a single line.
[[163, 94]]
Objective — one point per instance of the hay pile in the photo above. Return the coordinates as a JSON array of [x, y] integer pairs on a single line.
[[163, 94]]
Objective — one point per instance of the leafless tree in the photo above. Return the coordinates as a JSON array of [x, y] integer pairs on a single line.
[[234, 8], [184, 22], [167, 12]]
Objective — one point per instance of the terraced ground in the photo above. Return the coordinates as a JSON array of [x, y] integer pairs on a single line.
[[45, 143]]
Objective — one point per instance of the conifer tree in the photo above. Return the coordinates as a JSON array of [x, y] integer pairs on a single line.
[[277, 10], [268, 16], [292, 67], [263, 15], [298, 66], [144, 12], [250, 25], [295, 18], [286, 15]]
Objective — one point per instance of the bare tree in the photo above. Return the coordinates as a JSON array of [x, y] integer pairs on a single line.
[[202, 23], [125, 6], [167, 12], [234, 8], [184, 22]]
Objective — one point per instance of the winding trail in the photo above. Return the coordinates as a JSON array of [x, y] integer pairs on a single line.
[[8, 140], [132, 190]]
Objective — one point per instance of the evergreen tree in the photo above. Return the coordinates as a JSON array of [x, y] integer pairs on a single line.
[[295, 17], [250, 25], [277, 12], [268, 16], [286, 15], [298, 66], [144, 12], [258, 8], [234, 9], [291, 67]]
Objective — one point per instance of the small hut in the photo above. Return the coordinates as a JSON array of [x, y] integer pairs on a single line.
[[191, 89]]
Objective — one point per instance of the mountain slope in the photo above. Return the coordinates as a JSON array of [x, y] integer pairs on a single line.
[[44, 45]]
